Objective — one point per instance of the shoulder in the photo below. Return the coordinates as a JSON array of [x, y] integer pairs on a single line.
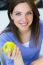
[[41, 28], [41, 38], [41, 24], [41, 32], [4, 37]]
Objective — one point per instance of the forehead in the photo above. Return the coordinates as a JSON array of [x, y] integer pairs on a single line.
[[22, 7]]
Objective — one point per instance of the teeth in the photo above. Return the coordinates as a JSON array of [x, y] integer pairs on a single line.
[[23, 23]]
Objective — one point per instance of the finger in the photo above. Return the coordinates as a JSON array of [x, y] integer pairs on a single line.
[[17, 51], [1, 50], [9, 54], [14, 52]]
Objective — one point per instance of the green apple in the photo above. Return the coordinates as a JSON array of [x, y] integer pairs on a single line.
[[8, 46]]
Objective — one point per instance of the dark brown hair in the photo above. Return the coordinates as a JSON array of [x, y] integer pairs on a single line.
[[35, 24]]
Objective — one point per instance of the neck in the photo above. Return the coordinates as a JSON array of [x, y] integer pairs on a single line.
[[25, 36]]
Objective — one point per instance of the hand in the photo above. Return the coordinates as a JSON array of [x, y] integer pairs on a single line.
[[16, 56], [1, 50], [38, 62]]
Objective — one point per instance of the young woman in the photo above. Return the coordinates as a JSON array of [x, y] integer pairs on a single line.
[[25, 31]]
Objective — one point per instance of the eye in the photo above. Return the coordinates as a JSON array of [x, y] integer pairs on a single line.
[[29, 13], [18, 14]]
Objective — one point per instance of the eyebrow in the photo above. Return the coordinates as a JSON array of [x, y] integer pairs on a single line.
[[21, 12], [18, 11]]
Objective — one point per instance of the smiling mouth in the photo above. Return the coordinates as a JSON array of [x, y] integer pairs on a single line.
[[23, 24]]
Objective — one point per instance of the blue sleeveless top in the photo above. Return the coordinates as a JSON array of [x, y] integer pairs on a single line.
[[29, 54]]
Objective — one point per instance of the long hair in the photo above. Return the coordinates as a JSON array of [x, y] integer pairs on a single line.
[[35, 24]]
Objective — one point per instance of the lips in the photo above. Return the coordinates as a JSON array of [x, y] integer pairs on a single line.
[[23, 24]]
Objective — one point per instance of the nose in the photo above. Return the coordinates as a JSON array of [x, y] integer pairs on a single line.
[[24, 18]]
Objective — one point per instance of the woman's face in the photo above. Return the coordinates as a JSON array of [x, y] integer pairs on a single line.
[[22, 16]]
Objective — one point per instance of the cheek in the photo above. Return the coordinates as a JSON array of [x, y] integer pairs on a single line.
[[30, 18], [16, 18]]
